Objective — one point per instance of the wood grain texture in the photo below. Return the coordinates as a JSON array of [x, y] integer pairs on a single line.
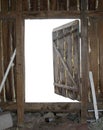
[[84, 63], [100, 34], [93, 48], [66, 47], [20, 66]]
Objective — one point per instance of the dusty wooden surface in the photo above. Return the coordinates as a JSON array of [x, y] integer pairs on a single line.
[[12, 15], [84, 62]]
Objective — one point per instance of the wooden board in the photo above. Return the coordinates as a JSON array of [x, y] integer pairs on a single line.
[[100, 35], [67, 60], [93, 49], [44, 5]]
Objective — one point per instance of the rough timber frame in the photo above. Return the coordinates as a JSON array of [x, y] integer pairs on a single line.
[[20, 16]]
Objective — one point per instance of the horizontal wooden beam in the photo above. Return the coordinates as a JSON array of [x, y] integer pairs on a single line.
[[33, 107], [8, 15], [55, 107], [51, 14], [94, 13], [66, 87]]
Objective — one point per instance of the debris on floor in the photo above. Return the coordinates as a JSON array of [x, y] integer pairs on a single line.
[[97, 125], [49, 121]]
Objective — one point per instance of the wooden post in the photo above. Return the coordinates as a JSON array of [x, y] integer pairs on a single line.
[[84, 58], [20, 69]]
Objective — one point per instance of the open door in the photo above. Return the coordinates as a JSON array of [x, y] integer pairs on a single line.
[[66, 59]]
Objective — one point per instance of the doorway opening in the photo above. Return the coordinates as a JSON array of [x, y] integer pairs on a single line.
[[39, 61]]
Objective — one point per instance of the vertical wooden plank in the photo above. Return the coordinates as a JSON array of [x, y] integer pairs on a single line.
[[4, 5], [6, 58], [12, 5], [53, 4], [70, 59], [0, 5], [62, 4], [12, 47], [73, 4], [77, 60], [0, 58], [25, 4], [44, 5], [93, 44], [100, 5], [2, 61], [33, 5], [91, 4], [67, 53], [3, 54], [84, 57], [20, 67], [78, 5], [100, 35], [67, 5]]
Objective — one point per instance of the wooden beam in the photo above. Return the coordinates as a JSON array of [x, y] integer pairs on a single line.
[[65, 65], [100, 36], [55, 107], [20, 68], [6, 15], [94, 13], [93, 43], [51, 14], [66, 87], [4, 5], [20, 83], [44, 107], [84, 58]]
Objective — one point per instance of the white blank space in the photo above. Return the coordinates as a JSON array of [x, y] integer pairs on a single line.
[[39, 61]]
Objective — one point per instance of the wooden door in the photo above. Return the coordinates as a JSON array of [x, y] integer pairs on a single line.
[[66, 59]]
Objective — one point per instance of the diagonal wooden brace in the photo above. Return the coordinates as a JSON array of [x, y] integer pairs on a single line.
[[64, 64]]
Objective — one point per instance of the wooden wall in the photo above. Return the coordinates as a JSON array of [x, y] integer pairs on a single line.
[[95, 41], [12, 15]]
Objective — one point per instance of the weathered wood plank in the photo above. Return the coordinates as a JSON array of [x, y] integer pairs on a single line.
[[43, 5], [100, 5], [51, 14], [6, 57], [26, 5], [54, 107], [52, 4], [65, 66], [2, 94], [61, 4], [20, 67], [12, 5], [93, 43], [91, 4], [84, 58], [72, 4], [100, 35], [12, 48], [4, 6], [66, 87], [64, 40]]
